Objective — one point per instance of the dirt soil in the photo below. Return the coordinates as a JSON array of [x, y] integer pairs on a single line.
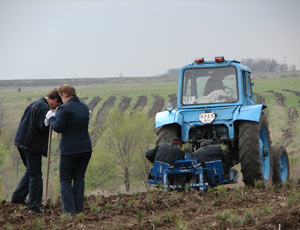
[[141, 102], [101, 114], [297, 93], [124, 104], [221, 208], [280, 97], [93, 103], [288, 131], [259, 99], [100, 118], [158, 104]]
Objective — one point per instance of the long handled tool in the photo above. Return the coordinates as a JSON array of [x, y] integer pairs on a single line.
[[48, 167]]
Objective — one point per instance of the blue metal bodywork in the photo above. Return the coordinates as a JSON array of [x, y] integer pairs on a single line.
[[187, 118]]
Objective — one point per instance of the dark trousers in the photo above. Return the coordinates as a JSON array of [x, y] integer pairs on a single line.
[[31, 183], [72, 170]]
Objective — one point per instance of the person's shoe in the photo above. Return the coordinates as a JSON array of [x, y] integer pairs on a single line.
[[35, 210]]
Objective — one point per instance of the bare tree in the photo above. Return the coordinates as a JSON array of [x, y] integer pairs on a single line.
[[265, 65], [124, 135], [143, 166]]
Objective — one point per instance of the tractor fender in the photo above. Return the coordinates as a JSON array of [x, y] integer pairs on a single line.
[[248, 113], [166, 118]]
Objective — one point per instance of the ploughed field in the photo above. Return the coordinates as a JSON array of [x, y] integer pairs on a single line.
[[240, 207], [150, 95]]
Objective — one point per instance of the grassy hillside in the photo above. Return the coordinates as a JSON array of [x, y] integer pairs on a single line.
[[280, 94], [283, 100]]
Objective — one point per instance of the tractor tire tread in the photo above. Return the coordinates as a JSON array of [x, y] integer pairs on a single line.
[[249, 150]]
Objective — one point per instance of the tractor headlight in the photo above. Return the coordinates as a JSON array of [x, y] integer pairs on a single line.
[[169, 106], [207, 118]]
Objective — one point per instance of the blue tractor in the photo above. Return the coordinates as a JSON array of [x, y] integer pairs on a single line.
[[215, 103]]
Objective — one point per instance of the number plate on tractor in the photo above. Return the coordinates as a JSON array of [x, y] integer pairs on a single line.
[[207, 118]]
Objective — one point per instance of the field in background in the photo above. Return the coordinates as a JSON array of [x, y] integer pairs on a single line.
[[280, 94]]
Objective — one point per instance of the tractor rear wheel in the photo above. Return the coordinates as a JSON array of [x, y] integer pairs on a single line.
[[166, 133], [281, 165], [254, 151]]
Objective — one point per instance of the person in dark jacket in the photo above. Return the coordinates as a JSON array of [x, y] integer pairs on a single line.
[[72, 120], [167, 153], [215, 82], [212, 152], [32, 142]]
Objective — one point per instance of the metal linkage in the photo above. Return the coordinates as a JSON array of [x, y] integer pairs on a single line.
[[188, 172]]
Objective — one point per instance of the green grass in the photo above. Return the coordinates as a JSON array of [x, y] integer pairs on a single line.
[[133, 91], [278, 84]]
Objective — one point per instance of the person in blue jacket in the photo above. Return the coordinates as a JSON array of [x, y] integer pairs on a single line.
[[32, 143], [72, 120]]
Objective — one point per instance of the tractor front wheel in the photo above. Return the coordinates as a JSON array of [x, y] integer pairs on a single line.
[[281, 165], [254, 151], [165, 134]]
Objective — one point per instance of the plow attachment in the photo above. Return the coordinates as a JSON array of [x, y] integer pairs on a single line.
[[189, 172]]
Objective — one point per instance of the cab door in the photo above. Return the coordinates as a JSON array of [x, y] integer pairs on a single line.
[[247, 87]]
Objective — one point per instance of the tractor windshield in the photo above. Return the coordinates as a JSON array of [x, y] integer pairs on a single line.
[[209, 86]]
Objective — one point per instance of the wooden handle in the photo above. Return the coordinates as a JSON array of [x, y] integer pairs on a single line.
[[48, 167]]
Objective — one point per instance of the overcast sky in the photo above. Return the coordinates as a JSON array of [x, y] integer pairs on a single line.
[[89, 38]]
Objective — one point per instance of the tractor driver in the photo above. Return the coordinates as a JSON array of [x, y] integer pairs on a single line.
[[166, 153], [215, 82]]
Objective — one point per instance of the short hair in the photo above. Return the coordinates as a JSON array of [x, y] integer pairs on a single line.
[[68, 90], [54, 94]]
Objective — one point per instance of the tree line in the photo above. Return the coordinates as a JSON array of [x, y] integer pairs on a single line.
[[266, 65], [255, 64]]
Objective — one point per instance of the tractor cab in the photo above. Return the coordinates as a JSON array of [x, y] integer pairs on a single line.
[[220, 82]]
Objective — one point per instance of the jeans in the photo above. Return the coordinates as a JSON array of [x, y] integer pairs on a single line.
[[31, 183], [72, 170]]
